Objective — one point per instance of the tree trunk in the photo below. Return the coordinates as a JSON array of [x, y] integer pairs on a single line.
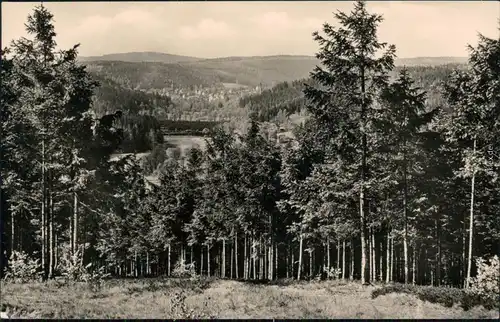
[[208, 260], [370, 259], [388, 258], [380, 260], [148, 267], [169, 259], [276, 260], [223, 258], [363, 241], [293, 261], [374, 258], [300, 257], [324, 260], [311, 274], [351, 275], [75, 222], [405, 214], [232, 261], [363, 169], [245, 258], [191, 254], [328, 254], [254, 258], [201, 260], [471, 221], [51, 235], [236, 255], [287, 266], [391, 277], [43, 208], [414, 264], [338, 254], [136, 273], [56, 251], [438, 254], [343, 259], [12, 237], [269, 263]]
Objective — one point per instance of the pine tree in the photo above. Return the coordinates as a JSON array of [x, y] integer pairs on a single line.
[[474, 98], [350, 78], [402, 118]]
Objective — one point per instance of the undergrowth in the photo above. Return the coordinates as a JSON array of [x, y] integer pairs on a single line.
[[441, 295]]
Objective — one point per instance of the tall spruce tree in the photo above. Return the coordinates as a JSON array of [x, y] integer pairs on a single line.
[[473, 96], [402, 118], [351, 75]]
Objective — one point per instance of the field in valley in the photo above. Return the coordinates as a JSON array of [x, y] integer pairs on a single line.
[[175, 298]]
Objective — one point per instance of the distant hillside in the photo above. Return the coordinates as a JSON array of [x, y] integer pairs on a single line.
[[430, 61], [284, 99], [150, 75], [252, 71], [146, 70], [138, 57], [110, 96]]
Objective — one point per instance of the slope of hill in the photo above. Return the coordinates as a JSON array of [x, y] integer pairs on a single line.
[[430, 61], [150, 75], [156, 70], [286, 98], [138, 57], [110, 96], [253, 71]]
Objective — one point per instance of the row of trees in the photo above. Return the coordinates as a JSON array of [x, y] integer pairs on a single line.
[[378, 184]]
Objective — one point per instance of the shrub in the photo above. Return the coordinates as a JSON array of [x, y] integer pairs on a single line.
[[22, 268], [485, 286], [333, 273], [441, 295], [181, 269], [71, 266]]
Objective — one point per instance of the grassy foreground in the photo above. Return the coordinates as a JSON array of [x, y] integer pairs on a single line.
[[175, 298]]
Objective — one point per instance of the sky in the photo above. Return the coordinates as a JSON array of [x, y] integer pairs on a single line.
[[221, 29]]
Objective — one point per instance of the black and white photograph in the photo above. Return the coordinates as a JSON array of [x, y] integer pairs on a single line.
[[179, 160]]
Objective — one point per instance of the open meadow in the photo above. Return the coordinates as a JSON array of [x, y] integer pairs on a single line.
[[209, 298]]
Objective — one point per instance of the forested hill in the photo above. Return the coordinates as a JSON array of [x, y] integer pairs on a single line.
[[145, 56], [286, 98], [151, 75], [160, 71], [111, 95]]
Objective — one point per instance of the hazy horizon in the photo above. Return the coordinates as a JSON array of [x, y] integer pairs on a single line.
[[231, 29]]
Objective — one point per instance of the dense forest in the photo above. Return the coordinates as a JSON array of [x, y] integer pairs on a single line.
[[248, 71], [284, 99], [150, 75], [379, 184]]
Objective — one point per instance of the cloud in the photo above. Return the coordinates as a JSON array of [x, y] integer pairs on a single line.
[[207, 29], [273, 20], [126, 30], [136, 19], [279, 22]]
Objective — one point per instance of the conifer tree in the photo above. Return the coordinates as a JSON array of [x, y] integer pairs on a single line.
[[349, 79]]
